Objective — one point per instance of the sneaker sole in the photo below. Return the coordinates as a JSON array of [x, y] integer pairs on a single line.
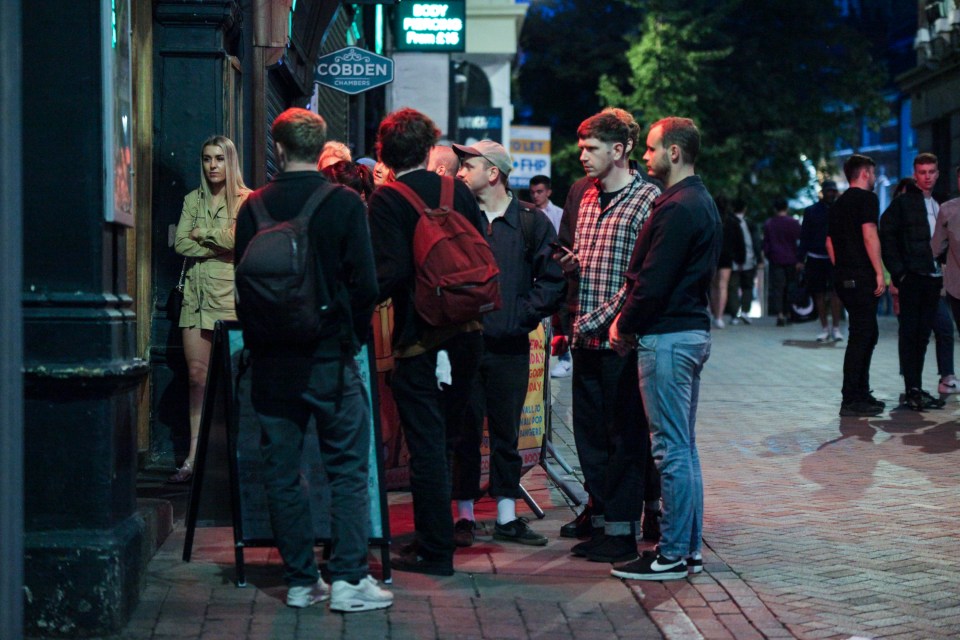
[[304, 605], [356, 606], [540, 542], [694, 566], [659, 577], [611, 559]]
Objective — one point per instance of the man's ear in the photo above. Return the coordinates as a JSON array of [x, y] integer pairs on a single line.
[[621, 149], [675, 153], [280, 155]]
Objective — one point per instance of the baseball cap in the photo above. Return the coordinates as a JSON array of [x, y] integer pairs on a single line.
[[828, 185], [491, 151]]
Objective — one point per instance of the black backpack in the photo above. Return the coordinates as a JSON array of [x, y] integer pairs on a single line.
[[280, 298]]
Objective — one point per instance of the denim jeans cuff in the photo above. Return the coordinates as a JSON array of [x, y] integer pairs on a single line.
[[621, 528]]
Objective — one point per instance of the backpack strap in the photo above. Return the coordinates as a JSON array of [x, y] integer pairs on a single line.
[[317, 198], [261, 216], [446, 192], [410, 196], [526, 228]]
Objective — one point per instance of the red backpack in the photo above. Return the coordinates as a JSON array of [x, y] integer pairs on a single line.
[[456, 271]]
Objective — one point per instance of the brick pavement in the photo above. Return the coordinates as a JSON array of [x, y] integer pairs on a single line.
[[815, 527]]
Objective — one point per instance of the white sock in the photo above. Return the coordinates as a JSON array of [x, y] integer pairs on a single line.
[[465, 510], [506, 510]]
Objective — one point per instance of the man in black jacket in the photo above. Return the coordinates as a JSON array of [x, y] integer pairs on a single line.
[[292, 381], [668, 288], [905, 231], [430, 406], [531, 287]]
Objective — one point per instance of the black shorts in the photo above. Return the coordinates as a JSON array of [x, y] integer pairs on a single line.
[[818, 275]]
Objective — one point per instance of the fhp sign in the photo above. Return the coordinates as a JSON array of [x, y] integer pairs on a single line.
[[530, 150], [353, 70]]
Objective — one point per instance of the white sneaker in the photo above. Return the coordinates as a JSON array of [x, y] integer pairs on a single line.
[[562, 369], [300, 597], [364, 596], [836, 335], [823, 336], [718, 323], [949, 385]]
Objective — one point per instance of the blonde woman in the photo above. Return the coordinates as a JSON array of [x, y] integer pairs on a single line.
[[205, 236]]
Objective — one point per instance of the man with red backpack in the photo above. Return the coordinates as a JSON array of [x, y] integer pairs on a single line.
[[436, 358]]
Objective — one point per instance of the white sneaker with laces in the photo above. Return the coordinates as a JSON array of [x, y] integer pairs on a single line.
[[562, 369], [824, 335], [949, 385], [300, 597], [836, 335], [363, 596]]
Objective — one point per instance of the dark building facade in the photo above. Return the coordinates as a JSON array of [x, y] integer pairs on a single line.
[[104, 146], [934, 88]]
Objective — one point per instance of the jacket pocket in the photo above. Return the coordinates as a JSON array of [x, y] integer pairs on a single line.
[[218, 292]]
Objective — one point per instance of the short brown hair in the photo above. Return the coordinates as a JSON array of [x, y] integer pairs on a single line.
[[855, 164], [925, 158], [302, 134], [605, 127], [632, 125], [681, 132], [405, 138]]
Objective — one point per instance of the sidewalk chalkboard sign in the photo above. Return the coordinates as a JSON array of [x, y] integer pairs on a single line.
[[228, 461]]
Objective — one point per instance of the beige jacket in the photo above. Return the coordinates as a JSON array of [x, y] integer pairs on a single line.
[[208, 289]]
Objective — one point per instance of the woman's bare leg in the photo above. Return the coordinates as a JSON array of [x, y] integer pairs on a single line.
[[197, 344]]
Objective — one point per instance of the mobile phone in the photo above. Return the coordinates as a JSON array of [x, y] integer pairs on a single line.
[[556, 246]]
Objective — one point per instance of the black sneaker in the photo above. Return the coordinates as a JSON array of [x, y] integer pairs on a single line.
[[463, 535], [869, 398], [579, 527], [518, 531], [650, 529], [613, 549], [581, 548], [920, 400], [860, 408], [694, 561], [652, 567]]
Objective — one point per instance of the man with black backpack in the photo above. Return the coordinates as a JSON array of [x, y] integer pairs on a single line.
[[306, 286], [532, 287], [437, 355]]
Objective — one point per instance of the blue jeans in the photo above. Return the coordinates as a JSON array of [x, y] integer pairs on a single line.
[[669, 365]]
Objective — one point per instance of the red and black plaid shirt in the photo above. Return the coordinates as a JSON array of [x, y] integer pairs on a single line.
[[603, 244]]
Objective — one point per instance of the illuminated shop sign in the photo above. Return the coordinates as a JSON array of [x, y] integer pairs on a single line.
[[430, 26], [353, 70]]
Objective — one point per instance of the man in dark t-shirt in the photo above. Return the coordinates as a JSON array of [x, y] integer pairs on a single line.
[[854, 249]]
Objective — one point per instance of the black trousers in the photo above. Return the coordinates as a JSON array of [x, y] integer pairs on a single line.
[[427, 414], [612, 436], [861, 307], [499, 391], [740, 291], [919, 299]]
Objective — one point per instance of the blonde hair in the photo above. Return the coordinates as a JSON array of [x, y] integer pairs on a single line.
[[235, 187]]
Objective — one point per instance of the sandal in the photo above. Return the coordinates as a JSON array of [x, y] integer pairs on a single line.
[[183, 474]]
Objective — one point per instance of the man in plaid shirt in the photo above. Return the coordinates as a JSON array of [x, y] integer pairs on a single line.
[[608, 419]]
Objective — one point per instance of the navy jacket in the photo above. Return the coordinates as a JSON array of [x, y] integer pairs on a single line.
[[673, 262], [532, 286]]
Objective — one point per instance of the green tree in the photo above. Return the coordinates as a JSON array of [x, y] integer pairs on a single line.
[[770, 84]]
